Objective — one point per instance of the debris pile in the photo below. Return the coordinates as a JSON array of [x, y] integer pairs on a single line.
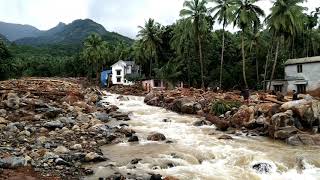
[[296, 122], [54, 126], [135, 90]]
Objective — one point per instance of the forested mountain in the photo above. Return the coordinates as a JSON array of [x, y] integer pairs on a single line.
[[73, 33], [17, 31], [4, 39]]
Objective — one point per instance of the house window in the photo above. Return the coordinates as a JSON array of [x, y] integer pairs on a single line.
[[157, 83], [118, 72], [118, 79], [299, 68], [278, 88], [301, 88]]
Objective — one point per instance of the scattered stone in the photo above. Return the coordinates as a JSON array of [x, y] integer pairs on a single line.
[[135, 161], [133, 139], [262, 168], [94, 157], [156, 137], [53, 124], [156, 177], [200, 123], [12, 162], [226, 137], [76, 147], [61, 150]]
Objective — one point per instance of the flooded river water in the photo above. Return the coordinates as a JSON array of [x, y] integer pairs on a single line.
[[197, 153]]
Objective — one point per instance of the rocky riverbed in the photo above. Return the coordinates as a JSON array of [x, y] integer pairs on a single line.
[[295, 122], [51, 127]]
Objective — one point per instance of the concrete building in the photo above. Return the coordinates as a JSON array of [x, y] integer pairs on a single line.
[[121, 69], [302, 75]]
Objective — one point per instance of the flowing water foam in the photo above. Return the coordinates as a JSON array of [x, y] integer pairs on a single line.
[[197, 153]]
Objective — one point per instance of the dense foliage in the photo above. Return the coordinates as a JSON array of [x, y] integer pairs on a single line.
[[189, 50]]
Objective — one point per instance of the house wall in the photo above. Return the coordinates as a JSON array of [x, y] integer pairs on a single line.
[[149, 85], [310, 73], [116, 67], [120, 66]]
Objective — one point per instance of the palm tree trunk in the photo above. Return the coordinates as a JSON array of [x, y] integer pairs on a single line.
[[222, 54], [243, 61], [257, 65], [274, 63], [201, 61], [269, 56], [150, 73]]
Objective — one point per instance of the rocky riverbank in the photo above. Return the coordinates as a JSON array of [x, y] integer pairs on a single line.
[[295, 122], [50, 128]]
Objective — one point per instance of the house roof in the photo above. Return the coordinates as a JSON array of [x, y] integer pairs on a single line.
[[124, 63], [303, 60]]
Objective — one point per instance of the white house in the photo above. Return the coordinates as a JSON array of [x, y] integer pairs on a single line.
[[121, 69], [302, 75]]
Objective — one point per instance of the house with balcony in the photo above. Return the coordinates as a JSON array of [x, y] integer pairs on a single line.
[[121, 69], [302, 75]]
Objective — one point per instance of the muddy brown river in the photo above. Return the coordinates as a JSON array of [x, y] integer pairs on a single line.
[[197, 153]]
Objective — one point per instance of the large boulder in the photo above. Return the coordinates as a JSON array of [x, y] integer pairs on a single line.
[[12, 162], [221, 124], [285, 132], [304, 139], [281, 122], [150, 96], [307, 110], [243, 117], [186, 105], [13, 101], [156, 137]]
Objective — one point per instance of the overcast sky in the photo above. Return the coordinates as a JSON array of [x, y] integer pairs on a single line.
[[122, 16]]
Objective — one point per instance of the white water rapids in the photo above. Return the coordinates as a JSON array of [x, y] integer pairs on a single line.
[[197, 153]]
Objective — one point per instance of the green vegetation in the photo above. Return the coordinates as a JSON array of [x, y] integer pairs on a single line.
[[219, 107], [190, 50]]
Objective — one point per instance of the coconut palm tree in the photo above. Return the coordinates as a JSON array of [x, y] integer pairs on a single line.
[[180, 42], [95, 52], [247, 17], [150, 40], [284, 22], [224, 14], [196, 11]]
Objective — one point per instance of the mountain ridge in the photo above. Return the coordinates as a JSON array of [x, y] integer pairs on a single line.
[[72, 33]]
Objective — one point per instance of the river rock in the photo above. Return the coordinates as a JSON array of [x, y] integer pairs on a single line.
[[185, 105], [3, 121], [102, 116], [156, 137], [135, 161], [13, 101], [61, 150], [123, 98], [226, 137], [94, 157], [304, 139], [156, 177], [200, 123], [262, 167], [244, 116], [285, 132], [60, 161], [281, 120], [76, 147], [150, 96], [53, 124], [52, 112], [12, 162], [221, 124], [133, 139], [3, 113]]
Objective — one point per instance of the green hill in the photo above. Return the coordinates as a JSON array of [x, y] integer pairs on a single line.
[[72, 34]]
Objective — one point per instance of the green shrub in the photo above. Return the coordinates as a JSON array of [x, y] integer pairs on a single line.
[[219, 107]]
